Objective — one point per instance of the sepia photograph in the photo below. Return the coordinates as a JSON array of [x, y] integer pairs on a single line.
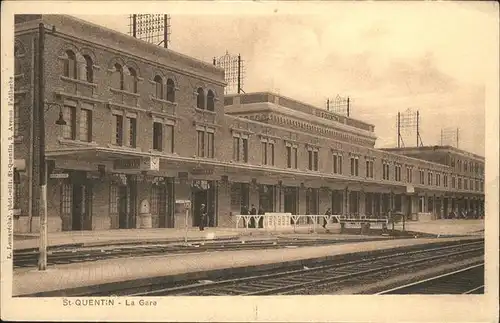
[[160, 159]]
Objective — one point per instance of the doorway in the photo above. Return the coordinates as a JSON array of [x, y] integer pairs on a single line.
[[81, 198], [204, 192], [290, 199], [127, 203]]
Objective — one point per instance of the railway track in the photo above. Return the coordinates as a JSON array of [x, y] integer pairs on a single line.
[[30, 258], [468, 280], [286, 282]]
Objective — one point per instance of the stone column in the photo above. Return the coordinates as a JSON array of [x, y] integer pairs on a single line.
[[346, 201], [361, 202], [434, 212]]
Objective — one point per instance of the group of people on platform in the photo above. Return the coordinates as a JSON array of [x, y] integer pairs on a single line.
[[253, 211]]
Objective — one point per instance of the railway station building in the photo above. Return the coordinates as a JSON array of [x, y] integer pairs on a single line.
[[147, 127]]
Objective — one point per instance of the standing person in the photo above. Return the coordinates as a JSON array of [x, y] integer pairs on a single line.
[[261, 220], [203, 216], [244, 211], [328, 212], [253, 211]]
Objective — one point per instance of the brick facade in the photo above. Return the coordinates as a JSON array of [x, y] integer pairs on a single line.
[[111, 196]]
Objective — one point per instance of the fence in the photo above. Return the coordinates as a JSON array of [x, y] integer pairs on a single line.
[[287, 221]]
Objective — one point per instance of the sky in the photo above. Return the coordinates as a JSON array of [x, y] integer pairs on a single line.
[[388, 57]]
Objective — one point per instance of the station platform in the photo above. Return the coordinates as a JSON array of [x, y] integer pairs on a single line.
[[170, 235], [444, 227], [28, 281]]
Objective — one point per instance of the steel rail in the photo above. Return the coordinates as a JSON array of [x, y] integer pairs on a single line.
[[456, 282], [28, 259], [274, 283]]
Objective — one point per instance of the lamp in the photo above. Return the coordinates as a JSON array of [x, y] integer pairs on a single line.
[[60, 121]]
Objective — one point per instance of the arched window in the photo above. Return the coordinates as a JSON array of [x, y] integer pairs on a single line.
[[159, 87], [200, 102], [170, 90], [89, 71], [70, 65], [210, 101], [133, 80], [118, 77]]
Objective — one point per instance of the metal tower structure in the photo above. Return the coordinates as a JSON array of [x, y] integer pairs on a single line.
[[339, 105], [234, 71], [449, 136], [407, 122], [151, 28]]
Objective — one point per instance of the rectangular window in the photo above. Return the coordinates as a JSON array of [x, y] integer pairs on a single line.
[[409, 174], [66, 199], [471, 184], [337, 163], [69, 129], [201, 143], [369, 168], [397, 173], [445, 180], [354, 166], [466, 184], [118, 130], [267, 148], [113, 199], [313, 160], [477, 185], [385, 171], [289, 157], [295, 156], [429, 178], [169, 138], [158, 136], [132, 132], [438, 180], [210, 144], [271, 153], [244, 148], [85, 122], [453, 182], [236, 148], [422, 177], [264, 152], [482, 186], [459, 183]]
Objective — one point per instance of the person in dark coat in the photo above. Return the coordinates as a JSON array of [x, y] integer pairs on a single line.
[[244, 211], [328, 212], [261, 220], [253, 211], [203, 217]]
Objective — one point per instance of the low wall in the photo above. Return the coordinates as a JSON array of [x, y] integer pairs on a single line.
[[22, 224]]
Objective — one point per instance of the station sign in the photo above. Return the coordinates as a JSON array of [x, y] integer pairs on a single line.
[[59, 175], [142, 164], [202, 171], [127, 163]]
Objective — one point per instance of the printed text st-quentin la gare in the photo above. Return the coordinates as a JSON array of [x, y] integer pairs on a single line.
[[107, 302]]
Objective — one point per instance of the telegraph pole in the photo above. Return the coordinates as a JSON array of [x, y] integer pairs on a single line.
[[42, 260]]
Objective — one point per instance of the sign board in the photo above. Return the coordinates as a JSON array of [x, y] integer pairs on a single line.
[[202, 171], [127, 163], [59, 175]]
